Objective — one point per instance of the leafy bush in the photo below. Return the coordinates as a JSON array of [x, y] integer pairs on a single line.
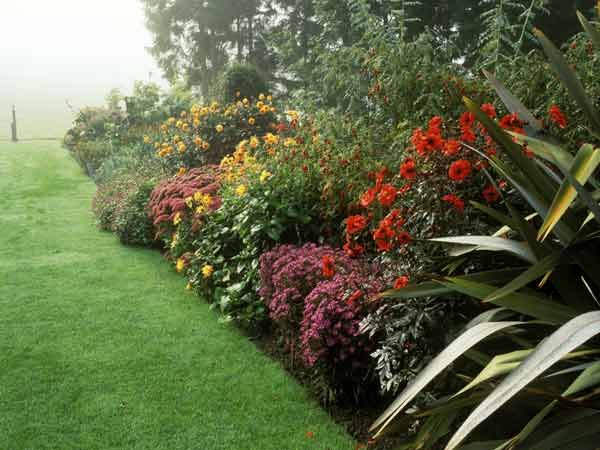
[[243, 81], [120, 207], [131, 222]]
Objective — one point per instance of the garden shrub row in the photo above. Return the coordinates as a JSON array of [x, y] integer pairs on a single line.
[[312, 228]]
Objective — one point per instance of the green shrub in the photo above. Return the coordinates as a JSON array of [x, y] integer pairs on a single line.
[[131, 222], [241, 80], [91, 155]]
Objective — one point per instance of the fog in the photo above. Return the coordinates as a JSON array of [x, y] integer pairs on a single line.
[[53, 51]]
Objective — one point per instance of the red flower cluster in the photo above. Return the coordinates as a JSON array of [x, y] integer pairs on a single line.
[[389, 233], [511, 122], [356, 224], [455, 201], [428, 141], [558, 117], [328, 266]]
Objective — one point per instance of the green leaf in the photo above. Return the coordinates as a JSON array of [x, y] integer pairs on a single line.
[[513, 104], [519, 249], [433, 288], [545, 150], [567, 338], [585, 163], [591, 30], [536, 271], [589, 378], [531, 305], [464, 342], [569, 79]]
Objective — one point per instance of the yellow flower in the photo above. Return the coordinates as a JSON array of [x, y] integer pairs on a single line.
[[254, 142], [177, 219], [207, 200], [200, 210], [180, 265], [182, 148], [196, 122], [271, 139], [260, 104], [189, 201], [251, 121], [207, 271], [198, 141], [289, 142], [147, 139], [220, 128], [179, 124], [293, 114], [241, 190], [245, 101], [264, 109], [270, 98], [175, 240], [183, 113], [261, 97], [237, 94], [182, 171], [171, 120], [205, 145], [264, 176], [185, 127]]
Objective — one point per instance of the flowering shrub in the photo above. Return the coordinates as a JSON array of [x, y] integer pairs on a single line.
[[181, 202], [331, 341], [205, 134], [289, 273]]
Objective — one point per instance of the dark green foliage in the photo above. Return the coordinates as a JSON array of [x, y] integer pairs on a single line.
[[243, 81]]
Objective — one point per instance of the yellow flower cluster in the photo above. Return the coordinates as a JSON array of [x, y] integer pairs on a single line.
[[207, 271], [199, 202], [241, 162]]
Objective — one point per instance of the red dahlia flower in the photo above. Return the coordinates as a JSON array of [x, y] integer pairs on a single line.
[[408, 169], [558, 117], [401, 282], [404, 238], [328, 266], [452, 147], [353, 249], [491, 194], [387, 196], [368, 197], [355, 224], [489, 110], [512, 122], [459, 170], [455, 201]]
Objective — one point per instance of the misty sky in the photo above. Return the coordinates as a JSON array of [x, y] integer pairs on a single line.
[[53, 50]]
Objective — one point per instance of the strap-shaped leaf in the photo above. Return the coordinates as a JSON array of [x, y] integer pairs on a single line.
[[591, 31], [567, 338], [585, 163], [545, 150], [513, 104], [519, 249], [535, 272], [530, 305], [432, 288], [464, 342], [569, 79]]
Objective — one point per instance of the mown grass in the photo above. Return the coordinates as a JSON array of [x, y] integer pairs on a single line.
[[101, 347]]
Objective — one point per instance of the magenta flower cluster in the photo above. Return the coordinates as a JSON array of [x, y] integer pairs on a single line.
[[332, 315], [324, 311]]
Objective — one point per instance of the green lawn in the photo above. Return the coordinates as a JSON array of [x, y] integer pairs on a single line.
[[102, 348]]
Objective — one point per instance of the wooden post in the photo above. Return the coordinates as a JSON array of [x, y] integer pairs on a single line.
[[13, 125]]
